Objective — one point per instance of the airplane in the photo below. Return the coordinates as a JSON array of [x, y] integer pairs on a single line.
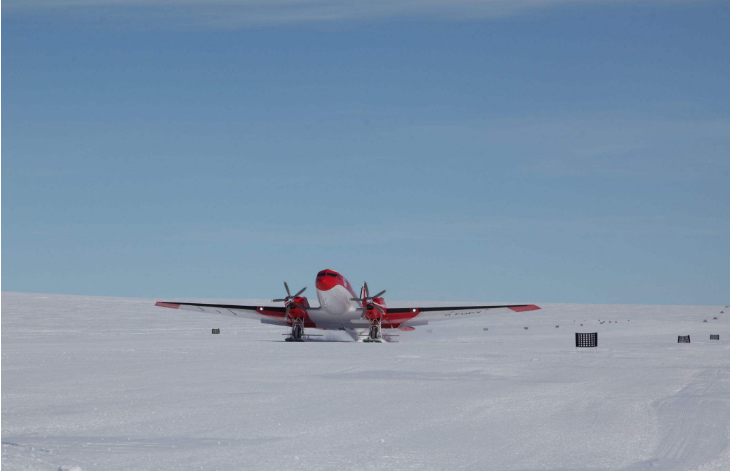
[[341, 309]]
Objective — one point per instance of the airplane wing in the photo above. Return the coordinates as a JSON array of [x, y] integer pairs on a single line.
[[266, 314], [412, 316]]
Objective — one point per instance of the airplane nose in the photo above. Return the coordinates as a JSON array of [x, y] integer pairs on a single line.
[[327, 281], [320, 284]]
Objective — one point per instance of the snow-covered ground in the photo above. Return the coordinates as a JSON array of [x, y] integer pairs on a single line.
[[114, 383]]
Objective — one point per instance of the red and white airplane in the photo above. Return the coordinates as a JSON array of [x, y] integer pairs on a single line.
[[340, 309]]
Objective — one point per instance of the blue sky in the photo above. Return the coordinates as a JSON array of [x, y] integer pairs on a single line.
[[557, 152]]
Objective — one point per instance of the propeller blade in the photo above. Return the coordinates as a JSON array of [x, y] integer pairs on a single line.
[[300, 291], [357, 299], [288, 293], [380, 294], [377, 306], [367, 291], [298, 305], [278, 300]]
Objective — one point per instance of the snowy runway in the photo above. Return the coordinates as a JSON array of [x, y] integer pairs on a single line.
[[115, 383]]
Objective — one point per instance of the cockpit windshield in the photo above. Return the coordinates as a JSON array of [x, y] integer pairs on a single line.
[[334, 275]]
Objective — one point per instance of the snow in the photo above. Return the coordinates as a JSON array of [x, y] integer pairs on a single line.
[[91, 383]]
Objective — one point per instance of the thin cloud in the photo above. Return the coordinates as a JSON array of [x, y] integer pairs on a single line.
[[608, 144], [232, 13]]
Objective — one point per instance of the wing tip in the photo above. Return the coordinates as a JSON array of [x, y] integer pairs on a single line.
[[170, 305], [525, 308]]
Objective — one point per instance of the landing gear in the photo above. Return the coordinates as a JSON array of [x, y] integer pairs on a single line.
[[297, 333], [374, 334]]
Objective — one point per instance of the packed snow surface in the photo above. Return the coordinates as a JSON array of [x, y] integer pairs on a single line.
[[92, 383]]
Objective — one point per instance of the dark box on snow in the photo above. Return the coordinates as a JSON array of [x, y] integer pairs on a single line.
[[586, 339]]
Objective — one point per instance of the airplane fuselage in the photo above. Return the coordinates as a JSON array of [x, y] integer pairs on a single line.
[[337, 310]]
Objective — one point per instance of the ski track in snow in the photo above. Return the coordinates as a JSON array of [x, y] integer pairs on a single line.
[[694, 423], [93, 383]]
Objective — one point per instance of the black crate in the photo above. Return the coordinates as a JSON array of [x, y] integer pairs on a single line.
[[714, 337], [586, 339], [683, 339], [216, 331]]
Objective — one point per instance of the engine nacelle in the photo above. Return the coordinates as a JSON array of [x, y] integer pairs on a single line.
[[295, 312], [372, 312]]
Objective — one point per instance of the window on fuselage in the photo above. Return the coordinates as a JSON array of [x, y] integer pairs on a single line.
[[334, 275], [320, 274]]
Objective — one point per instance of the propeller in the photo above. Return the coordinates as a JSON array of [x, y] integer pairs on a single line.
[[289, 300], [369, 301]]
